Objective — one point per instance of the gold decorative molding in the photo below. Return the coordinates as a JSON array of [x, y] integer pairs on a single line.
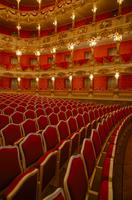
[[104, 30]]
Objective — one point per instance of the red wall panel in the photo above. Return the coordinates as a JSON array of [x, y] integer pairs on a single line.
[[125, 82], [100, 83], [78, 83], [59, 83], [43, 84], [25, 83]]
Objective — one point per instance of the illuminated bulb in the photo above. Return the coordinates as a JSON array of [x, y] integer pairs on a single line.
[[53, 78], [18, 53], [37, 79], [91, 77], [39, 1], [70, 77], [71, 46], [73, 16], [120, 1], [18, 27], [53, 50], [94, 9], [55, 22], [18, 79], [39, 27], [37, 53], [117, 75]]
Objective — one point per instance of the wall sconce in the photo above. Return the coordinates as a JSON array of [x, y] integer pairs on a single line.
[[18, 79], [37, 79], [55, 24], [70, 77], [117, 75], [53, 78], [91, 77]]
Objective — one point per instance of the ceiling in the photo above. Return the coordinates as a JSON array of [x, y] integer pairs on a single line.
[[30, 15]]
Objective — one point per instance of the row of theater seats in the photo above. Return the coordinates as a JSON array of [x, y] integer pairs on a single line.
[[46, 153], [21, 124], [81, 168]]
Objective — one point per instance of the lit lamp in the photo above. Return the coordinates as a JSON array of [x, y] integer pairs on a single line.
[[91, 76], [55, 24], [18, 4], [53, 51], [73, 19], [18, 80], [71, 47], [94, 10], [92, 44], [117, 75], [37, 82], [39, 2], [18, 53], [70, 79], [39, 30], [18, 29], [53, 81], [120, 6], [37, 54], [117, 38]]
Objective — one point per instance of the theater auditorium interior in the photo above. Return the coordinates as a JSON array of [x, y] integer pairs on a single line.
[[65, 99]]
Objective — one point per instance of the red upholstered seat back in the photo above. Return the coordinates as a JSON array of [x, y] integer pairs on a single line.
[[72, 125], [80, 121], [11, 134], [42, 122], [50, 137], [40, 112], [89, 156], [9, 165], [63, 130], [75, 180], [31, 149], [17, 117], [61, 115], [29, 126], [53, 118], [4, 120], [96, 142]]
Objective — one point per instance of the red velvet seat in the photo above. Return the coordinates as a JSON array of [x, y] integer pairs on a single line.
[[29, 126], [11, 134], [30, 114], [89, 156], [62, 115], [53, 118], [106, 190], [42, 122], [68, 113], [20, 108], [39, 112], [96, 142], [8, 110], [76, 180], [48, 110], [15, 184], [17, 117], [53, 142], [33, 155], [4, 120]]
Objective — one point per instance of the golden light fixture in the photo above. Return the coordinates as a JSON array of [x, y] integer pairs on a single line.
[[53, 50], [70, 77], [39, 2], [92, 42], [91, 76], [120, 5], [37, 79], [18, 3], [117, 37], [117, 75], [55, 24], [37, 53], [19, 79], [73, 19], [39, 29], [18, 52], [71, 46], [53, 78], [94, 10]]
